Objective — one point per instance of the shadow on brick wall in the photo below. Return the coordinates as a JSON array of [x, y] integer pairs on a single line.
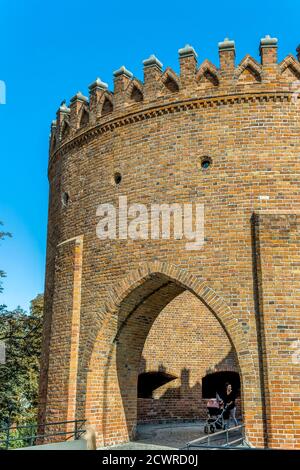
[[177, 399]]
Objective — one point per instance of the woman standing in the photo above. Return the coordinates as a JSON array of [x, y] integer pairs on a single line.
[[229, 404]]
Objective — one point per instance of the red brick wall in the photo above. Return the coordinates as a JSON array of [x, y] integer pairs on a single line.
[[172, 410], [277, 239], [242, 117], [188, 342]]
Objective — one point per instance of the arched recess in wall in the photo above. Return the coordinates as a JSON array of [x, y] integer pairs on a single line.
[[136, 94], [84, 119], [107, 107], [66, 129], [130, 311], [214, 383], [188, 342]]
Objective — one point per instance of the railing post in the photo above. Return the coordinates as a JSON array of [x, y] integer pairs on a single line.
[[31, 440], [7, 435], [75, 430]]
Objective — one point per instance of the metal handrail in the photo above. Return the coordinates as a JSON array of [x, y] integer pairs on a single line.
[[205, 441], [32, 438], [240, 439], [24, 426]]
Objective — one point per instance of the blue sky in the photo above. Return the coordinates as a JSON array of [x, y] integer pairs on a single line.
[[50, 50]]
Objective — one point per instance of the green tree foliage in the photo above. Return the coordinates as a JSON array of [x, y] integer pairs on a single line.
[[21, 334], [19, 374]]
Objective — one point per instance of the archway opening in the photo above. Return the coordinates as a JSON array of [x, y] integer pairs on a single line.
[[185, 342], [125, 320], [130, 325]]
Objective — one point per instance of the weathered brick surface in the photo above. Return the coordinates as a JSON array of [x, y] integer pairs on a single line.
[[172, 410], [244, 118], [278, 271], [187, 342]]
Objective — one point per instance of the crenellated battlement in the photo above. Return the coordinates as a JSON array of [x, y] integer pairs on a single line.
[[162, 87]]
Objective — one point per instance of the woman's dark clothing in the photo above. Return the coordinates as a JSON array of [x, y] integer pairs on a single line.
[[228, 398]]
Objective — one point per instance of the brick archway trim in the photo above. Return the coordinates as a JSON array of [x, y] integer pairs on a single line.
[[118, 292]]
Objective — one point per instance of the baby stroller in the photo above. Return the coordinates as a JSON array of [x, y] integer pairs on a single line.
[[215, 419]]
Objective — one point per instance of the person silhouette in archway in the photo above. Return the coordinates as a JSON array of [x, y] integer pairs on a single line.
[[228, 401]]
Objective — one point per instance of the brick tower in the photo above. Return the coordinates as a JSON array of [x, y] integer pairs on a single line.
[[227, 137]]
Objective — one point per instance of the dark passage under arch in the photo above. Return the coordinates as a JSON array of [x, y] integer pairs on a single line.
[[150, 381], [215, 382]]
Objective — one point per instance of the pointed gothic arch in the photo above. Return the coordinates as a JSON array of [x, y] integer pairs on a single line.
[[84, 118], [136, 94], [169, 81], [128, 314], [248, 70], [290, 68], [107, 106], [208, 73], [66, 129]]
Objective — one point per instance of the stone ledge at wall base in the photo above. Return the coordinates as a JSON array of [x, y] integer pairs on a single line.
[[78, 444]]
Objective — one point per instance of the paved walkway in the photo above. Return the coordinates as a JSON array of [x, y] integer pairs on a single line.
[[168, 436]]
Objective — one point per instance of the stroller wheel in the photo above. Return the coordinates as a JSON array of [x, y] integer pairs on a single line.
[[205, 429], [212, 428]]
